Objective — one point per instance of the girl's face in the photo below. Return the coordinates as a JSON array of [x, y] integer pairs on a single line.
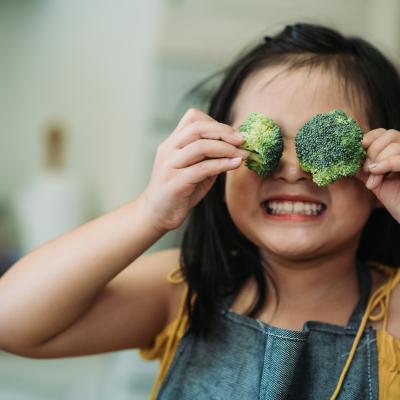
[[290, 99]]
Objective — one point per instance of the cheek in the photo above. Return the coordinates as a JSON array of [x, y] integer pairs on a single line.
[[241, 191], [352, 203]]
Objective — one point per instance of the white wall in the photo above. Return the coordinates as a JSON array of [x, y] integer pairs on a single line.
[[217, 30], [87, 64]]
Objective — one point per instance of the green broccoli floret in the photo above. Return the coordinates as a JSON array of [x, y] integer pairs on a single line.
[[264, 141], [329, 146]]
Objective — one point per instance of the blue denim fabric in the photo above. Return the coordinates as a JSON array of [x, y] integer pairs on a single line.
[[248, 359]]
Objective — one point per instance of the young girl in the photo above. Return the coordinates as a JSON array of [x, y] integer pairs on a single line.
[[268, 298]]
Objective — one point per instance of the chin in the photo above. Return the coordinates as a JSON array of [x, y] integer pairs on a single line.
[[291, 250]]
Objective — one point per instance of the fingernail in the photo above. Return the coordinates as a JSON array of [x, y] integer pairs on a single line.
[[370, 181], [372, 165], [236, 160]]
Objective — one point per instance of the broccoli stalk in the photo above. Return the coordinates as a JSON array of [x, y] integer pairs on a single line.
[[264, 141], [329, 147]]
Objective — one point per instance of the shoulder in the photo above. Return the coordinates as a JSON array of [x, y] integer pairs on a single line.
[[167, 265], [167, 259], [154, 268], [148, 276]]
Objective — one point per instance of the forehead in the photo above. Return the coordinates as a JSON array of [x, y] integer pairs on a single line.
[[292, 97]]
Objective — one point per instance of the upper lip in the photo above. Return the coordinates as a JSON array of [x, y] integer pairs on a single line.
[[293, 197]]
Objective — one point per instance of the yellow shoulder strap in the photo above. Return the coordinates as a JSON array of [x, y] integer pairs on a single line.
[[392, 284], [175, 330], [176, 276], [380, 300]]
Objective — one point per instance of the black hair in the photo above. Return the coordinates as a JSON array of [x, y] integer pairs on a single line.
[[216, 258]]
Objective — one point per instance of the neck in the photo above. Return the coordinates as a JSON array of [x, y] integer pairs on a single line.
[[312, 288]]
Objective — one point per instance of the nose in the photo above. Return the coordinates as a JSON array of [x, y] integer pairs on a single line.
[[289, 167]]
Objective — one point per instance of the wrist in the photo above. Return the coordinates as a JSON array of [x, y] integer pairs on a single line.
[[149, 215]]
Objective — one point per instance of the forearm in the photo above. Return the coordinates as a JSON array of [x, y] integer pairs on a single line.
[[50, 288]]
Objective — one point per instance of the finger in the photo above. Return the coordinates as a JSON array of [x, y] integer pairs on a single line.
[[370, 136], [365, 165], [374, 181], [206, 148], [202, 170], [381, 142], [190, 116], [391, 150], [205, 130], [390, 164]]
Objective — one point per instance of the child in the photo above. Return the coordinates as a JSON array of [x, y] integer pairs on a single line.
[[281, 288]]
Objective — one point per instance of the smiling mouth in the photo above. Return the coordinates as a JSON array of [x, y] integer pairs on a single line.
[[303, 208]]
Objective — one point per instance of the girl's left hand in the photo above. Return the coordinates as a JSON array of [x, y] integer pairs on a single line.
[[383, 167]]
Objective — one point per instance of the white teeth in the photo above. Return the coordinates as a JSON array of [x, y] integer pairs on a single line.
[[298, 207], [294, 207], [287, 206]]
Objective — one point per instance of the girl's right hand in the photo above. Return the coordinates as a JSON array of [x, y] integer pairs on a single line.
[[186, 166]]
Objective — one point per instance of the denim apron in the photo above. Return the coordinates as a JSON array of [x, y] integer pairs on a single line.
[[245, 359]]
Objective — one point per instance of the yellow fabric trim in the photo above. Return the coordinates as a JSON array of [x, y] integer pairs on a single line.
[[176, 276], [166, 342], [380, 300], [389, 366]]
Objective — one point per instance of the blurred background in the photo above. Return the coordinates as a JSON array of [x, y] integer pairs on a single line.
[[88, 90]]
